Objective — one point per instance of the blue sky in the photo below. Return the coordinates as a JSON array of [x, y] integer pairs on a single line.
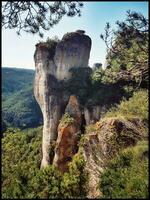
[[18, 51]]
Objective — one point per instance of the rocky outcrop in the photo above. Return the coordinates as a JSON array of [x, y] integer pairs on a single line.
[[103, 141], [68, 135], [52, 65]]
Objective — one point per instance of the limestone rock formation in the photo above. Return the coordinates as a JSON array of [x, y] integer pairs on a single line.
[[72, 51], [52, 65], [46, 90], [68, 135]]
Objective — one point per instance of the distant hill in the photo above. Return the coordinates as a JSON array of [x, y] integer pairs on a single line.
[[15, 79], [19, 107]]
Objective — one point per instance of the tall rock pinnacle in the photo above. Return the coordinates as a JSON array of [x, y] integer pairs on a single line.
[[52, 65]]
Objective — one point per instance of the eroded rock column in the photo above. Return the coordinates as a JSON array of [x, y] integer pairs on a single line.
[[46, 90], [52, 66]]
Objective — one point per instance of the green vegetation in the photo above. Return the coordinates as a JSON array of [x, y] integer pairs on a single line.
[[21, 174], [87, 85], [91, 128], [37, 17], [66, 119], [122, 88], [136, 106], [127, 174], [123, 45], [21, 158], [19, 107], [46, 184], [75, 182]]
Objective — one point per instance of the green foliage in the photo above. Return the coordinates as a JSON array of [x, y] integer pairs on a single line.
[[14, 79], [19, 107], [124, 44], [74, 183], [46, 184], [36, 17], [3, 125], [97, 74], [101, 81], [91, 128], [66, 119], [99, 96], [127, 175], [127, 72], [83, 140], [21, 157], [10, 130], [136, 106], [21, 174]]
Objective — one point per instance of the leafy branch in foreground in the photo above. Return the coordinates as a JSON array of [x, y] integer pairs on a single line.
[[35, 16]]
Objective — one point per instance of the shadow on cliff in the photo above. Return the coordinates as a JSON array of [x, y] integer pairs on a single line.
[[92, 93]]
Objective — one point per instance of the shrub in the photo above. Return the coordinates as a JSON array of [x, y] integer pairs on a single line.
[[46, 183], [66, 119], [74, 183]]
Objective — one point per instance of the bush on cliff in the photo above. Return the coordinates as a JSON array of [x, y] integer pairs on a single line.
[[66, 120]]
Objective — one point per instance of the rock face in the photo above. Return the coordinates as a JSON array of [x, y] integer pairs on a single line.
[[46, 90], [51, 68], [103, 142], [68, 136], [72, 51]]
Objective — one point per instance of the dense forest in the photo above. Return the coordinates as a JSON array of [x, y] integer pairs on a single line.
[[121, 88]]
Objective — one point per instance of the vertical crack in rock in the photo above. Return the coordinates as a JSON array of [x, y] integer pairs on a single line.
[[52, 65]]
